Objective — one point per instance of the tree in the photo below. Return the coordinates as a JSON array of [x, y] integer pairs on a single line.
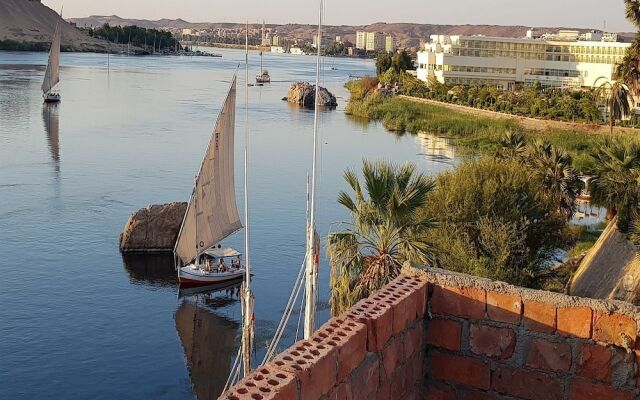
[[494, 221], [554, 168], [513, 147], [387, 230], [383, 63], [616, 181], [401, 61], [633, 12], [616, 98]]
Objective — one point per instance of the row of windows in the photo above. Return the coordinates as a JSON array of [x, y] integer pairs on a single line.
[[583, 58], [567, 73], [469, 82], [488, 70], [542, 47]]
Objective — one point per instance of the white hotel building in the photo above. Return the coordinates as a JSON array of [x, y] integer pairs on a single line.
[[564, 61]]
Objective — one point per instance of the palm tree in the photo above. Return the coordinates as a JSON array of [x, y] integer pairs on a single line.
[[513, 147], [387, 229], [616, 97], [616, 181], [633, 12], [554, 167]]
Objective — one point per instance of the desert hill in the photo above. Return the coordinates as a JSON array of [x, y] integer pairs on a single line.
[[31, 23]]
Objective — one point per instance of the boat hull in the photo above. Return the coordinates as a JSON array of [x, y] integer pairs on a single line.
[[51, 98], [196, 277]]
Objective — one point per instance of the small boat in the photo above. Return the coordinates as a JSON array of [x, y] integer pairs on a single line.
[[263, 76], [52, 74], [212, 212]]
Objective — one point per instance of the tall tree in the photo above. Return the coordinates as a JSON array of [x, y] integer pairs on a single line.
[[383, 63], [616, 98], [387, 229]]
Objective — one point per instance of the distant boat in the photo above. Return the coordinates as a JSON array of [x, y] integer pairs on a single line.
[[263, 76], [52, 75], [212, 213]]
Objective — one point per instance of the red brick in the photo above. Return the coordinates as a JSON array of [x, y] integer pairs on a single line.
[[267, 382], [539, 317], [352, 339], [378, 317], [440, 393], [526, 384], [475, 395], [341, 392], [459, 302], [419, 288], [595, 362], [492, 342], [366, 378], [504, 307], [584, 390], [465, 371], [392, 357], [402, 299], [401, 383], [414, 339], [575, 321], [549, 356], [614, 329], [444, 333], [384, 392]]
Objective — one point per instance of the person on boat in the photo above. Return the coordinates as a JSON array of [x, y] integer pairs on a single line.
[[221, 266], [236, 263]]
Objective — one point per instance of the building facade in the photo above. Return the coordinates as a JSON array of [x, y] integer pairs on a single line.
[[389, 44], [503, 62], [361, 40]]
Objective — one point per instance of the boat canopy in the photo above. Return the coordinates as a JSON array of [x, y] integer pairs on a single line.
[[222, 253], [212, 214]]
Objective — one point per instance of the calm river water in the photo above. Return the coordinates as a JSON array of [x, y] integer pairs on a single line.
[[77, 320]]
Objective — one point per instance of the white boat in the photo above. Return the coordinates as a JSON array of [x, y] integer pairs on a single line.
[[212, 213], [52, 74], [263, 76]]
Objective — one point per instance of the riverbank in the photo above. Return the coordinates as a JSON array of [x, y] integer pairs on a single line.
[[472, 130]]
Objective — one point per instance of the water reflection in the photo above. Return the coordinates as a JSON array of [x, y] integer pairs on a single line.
[[155, 269], [437, 149], [51, 120], [208, 339]]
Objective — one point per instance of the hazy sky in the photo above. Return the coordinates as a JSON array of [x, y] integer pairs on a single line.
[[569, 13]]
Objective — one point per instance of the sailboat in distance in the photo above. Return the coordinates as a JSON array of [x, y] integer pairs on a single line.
[[212, 213], [52, 74]]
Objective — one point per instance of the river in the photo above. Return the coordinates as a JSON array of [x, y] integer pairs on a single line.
[[76, 319]]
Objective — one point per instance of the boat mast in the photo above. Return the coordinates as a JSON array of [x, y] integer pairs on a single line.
[[195, 205], [311, 285], [247, 298]]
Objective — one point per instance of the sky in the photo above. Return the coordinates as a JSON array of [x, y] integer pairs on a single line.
[[549, 13]]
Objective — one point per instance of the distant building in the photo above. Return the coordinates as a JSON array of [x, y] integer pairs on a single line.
[[361, 40], [338, 39], [277, 49], [389, 44], [297, 51], [375, 42], [325, 41], [503, 62], [275, 40], [188, 31]]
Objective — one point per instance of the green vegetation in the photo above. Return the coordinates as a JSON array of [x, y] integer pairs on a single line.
[[155, 39], [399, 62], [476, 134], [14, 45], [387, 229]]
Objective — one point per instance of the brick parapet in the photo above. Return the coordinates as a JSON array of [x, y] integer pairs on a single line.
[[432, 334]]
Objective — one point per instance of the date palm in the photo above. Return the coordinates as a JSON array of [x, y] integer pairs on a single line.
[[616, 181], [554, 167], [387, 229], [632, 8], [616, 98], [513, 146]]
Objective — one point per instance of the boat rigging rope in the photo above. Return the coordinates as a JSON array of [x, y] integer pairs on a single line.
[[235, 371], [295, 292]]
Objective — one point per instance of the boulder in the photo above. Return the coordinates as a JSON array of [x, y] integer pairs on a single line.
[[304, 94], [152, 229]]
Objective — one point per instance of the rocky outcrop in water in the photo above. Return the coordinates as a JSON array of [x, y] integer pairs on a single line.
[[154, 228], [304, 94]]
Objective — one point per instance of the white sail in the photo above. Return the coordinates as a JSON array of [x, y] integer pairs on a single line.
[[214, 195], [52, 75]]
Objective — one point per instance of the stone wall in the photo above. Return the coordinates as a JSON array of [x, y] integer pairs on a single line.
[[433, 335]]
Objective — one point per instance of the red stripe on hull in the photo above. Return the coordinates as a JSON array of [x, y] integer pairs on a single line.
[[192, 282]]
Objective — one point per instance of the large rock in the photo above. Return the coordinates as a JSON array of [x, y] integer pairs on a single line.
[[153, 229], [304, 94]]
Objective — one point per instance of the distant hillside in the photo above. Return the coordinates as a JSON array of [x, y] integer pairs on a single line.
[[406, 34], [28, 24]]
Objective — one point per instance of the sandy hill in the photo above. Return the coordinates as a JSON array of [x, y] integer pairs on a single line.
[[406, 34], [31, 22]]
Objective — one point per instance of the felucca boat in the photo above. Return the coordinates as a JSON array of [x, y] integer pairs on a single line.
[[52, 75], [212, 213], [263, 76]]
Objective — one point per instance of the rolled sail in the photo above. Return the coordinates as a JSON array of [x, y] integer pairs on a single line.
[[52, 75], [214, 194]]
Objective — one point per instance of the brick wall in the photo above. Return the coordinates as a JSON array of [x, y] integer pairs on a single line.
[[437, 335]]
